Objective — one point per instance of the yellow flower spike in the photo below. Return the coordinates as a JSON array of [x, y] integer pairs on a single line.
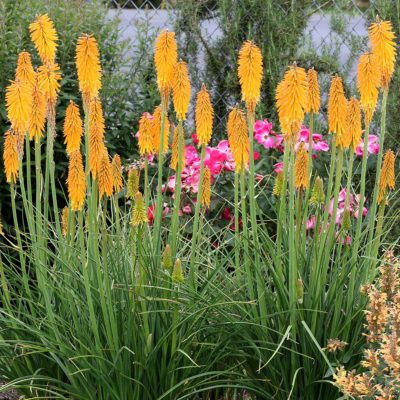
[[48, 79], [238, 138], [139, 213], [181, 90], [146, 140], [387, 178], [177, 272], [205, 198], [167, 258], [156, 128], [38, 113], [353, 123], [117, 173], [175, 147], [384, 47], [291, 100], [301, 168], [368, 81], [250, 72], [105, 175], [73, 129], [165, 59], [337, 106], [76, 181], [44, 37], [204, 115], [317, 193], [10, 157], [277, 191], [64, 221], [314, 99], [19, 105], [96, 135], [25, 71], [88, 67], [133, 183]]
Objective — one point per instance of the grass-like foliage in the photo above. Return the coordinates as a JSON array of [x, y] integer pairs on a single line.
[[110, 299]]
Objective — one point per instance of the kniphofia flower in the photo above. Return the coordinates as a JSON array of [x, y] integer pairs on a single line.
[[76, 181], [387, 178], [205, 197], [181, 90], [204, 116], [337, 107], [353, 124], [317, 193], [156, 128], [165, 58], [167, 258], [238, 138], [133, 183], [314, 100], [48, 79], [278, 184], [10, 157], [96, 135], [105, 175], [25, 71], [88, 67], [291, 100], [178, 136], [38, 113], [44, 37], [301, 168], [19, 105], [250, 69], [117, 173], [368, 80], [146, 139], [72, 128], [139, 214], [177, 272], [384, 47]]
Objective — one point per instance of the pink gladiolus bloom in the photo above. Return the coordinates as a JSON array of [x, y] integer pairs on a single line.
[[278, 167], [373, 146], [310, 224], [353, 206]]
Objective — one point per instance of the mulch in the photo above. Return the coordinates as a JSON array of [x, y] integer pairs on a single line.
[[9, 395]]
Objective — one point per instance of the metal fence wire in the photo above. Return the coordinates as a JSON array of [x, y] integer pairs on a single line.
[[327, 34]]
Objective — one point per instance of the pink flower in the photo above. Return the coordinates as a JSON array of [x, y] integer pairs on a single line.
[[151, 211], [223, 146], [373, 146], [353, 206], [215, 160], [256, 155], [227, 214], [191, 156], [194, 138], [310, 224], [317, 143], [187, 209], [262, 127], [278, 167]]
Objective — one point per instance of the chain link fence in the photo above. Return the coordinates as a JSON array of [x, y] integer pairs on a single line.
[[327, 34]]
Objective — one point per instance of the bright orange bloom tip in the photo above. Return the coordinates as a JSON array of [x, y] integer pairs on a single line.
[[96, 135], [44, 37], [38, 114], [337, 107], [314, 101], [301, 168], [25, 71], [105, 175], [10, 157], [156, 128], [205, 198], [353, 130], [178, 137], [73, 129], [19, 105], [387, 178], [146, 139], [204, 116], [76, 181], [48, 79], [238, 138], [181, 90], [250, 71]]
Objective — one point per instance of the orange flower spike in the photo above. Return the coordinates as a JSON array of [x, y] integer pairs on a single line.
[[25, 71], [10, 157], [19, 105], [96, 135], [250, 72], [165, 59], [117, 173], [88, 67], [105, 175], [44, 37], [368, 81], [205, 198], [72, 128], [387, 178], [238, 138], [48, 79], [156, 126], [146, 140], [337, 107], [76, 181], [38, 114], [384, 47], [353, 123], [314, 99], [181, 90], [175, 147], [204, 116], [301, 168], [292, 100]]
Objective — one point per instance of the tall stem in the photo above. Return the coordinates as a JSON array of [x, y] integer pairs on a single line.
[[237, 238]]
